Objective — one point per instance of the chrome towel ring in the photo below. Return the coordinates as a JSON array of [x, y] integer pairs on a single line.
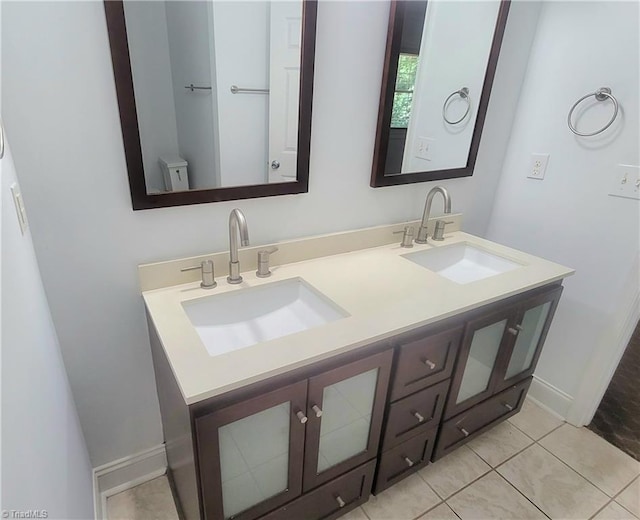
[[601, 94], [464, 94]]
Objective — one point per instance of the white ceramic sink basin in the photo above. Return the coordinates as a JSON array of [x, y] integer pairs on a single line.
[[462, 262], [242, 318]]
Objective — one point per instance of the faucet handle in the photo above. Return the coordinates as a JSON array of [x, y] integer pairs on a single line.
[[407, 237], [438, 232], [263, 262], [208, 276]]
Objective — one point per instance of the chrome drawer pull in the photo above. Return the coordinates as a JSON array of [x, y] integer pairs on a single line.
[[519, 327], [302, 417], [463, 431], [508, 406], [430, 364], [513, 331], [418, 416], [341, 502], [408, 461], [317, 410]]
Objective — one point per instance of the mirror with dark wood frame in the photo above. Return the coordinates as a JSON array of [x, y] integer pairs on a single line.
[[215, 97], [439, 66]]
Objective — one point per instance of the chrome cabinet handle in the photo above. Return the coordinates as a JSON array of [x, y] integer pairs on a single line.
[[418, 416], [341, 503], [302, 417], [408, 461], [275, 165], [463, 431], [317, 410], [508, 406], [430, 364], [513, 331]]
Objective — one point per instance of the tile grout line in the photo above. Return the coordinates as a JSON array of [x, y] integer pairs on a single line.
[[430, 509], [522, 494], [586, 478], [533, 439], [463, 487], [600, 510]]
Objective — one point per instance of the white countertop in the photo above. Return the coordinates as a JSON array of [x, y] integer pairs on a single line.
[[383, 293]]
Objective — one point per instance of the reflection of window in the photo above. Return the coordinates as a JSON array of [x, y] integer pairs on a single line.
[[403, 95]]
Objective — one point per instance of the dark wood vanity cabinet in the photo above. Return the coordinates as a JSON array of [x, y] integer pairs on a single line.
[[500, 348], [498, 355], [315, 442], [263, 452], [450, 386]]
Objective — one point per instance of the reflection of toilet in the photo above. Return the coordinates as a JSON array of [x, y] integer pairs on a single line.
[[174, 171]]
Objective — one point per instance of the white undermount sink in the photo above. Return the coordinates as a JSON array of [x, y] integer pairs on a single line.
[[462, 262], [244, 317]]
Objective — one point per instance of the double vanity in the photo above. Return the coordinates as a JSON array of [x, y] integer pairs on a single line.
[[355, 363]]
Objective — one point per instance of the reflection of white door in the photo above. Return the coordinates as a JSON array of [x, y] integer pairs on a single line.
[[284, 81]]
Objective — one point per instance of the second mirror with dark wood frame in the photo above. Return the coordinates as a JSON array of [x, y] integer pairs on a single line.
[[440, 62], [215, 97]]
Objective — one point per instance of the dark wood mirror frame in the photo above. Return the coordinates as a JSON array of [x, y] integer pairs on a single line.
[[394, 35], [116, 27]]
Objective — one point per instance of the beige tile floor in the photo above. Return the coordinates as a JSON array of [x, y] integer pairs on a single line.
[[532, 466]]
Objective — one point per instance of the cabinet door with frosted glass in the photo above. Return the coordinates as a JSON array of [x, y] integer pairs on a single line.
[[251, 454], [345, 408], [530, 330], [483, 345]]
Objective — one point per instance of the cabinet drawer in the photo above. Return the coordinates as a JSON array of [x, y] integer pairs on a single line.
[[424, 362], [415, 414], [471, 423], [405, 459], [332, 499]]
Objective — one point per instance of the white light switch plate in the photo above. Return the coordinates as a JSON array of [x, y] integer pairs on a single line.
[[424, 148], [20, 211], [626, 182], [538, 165]]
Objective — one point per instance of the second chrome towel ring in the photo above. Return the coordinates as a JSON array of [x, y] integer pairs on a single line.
[[464, 94], [602, 94]]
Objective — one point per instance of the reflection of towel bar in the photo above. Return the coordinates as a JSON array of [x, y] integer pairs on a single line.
[[235, 89], [192, 87]]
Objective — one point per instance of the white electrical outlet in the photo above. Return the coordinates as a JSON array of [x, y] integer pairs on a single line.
[[424, 147], [626, 182], [538, 165], [19, 203]]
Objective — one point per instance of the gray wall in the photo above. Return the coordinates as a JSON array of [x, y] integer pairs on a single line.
[[64, 123], [45, 463], [569, 217]]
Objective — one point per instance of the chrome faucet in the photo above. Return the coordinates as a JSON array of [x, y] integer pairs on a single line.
[[422, 232], [237, 225]]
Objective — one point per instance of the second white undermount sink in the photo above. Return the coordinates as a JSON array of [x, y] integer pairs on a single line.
[[244, 317], [462, 262]]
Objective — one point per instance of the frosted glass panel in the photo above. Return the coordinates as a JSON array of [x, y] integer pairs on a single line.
[[525, 347], [482, 356], [254, 458], [346, 418]]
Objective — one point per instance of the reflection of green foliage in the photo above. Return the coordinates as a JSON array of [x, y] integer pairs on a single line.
[[403, 97]]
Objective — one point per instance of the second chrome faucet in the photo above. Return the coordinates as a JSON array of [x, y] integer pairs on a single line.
[[237, 226]]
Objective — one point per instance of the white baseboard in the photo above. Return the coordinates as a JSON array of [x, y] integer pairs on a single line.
[[120, 475], [550, 398]]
